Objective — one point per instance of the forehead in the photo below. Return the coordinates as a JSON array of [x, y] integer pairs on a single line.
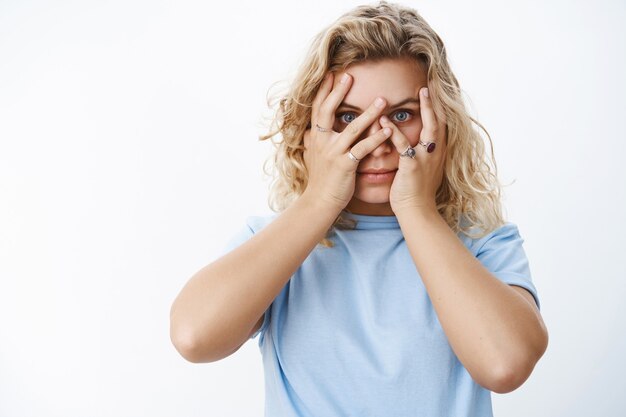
[[393, 79]]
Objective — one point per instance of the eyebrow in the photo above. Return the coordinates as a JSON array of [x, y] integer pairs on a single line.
[[401, 103]]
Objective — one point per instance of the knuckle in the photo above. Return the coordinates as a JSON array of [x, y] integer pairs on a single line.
[[333, 96], [325, 107], [372, 111], [321, 107]]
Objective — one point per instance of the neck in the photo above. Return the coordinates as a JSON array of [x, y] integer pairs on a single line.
[[356, 206]]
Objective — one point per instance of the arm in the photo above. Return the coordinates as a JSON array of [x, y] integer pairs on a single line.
[[219, 307], [495, 329]]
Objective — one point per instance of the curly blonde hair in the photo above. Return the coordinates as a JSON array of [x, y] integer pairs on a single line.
[[469, 195]]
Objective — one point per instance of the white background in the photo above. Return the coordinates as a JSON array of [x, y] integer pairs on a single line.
[[129, 155]]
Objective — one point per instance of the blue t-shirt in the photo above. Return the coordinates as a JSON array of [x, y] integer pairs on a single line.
[[354, 333]]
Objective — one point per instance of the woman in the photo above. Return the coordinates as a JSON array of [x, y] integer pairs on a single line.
[[387, 283]]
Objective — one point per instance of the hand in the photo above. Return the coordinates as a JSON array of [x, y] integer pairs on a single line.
[[417, 180], [331, 172]]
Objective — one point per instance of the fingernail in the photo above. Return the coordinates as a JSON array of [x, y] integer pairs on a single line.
[[344, 78], [387, 131], [425, 92], [379, 102], [384, 119]]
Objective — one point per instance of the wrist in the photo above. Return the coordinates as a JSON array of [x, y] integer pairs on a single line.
[[421, 210], [320, 206]]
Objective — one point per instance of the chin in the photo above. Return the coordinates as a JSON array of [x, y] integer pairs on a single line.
[[371, 199], [373, 195]]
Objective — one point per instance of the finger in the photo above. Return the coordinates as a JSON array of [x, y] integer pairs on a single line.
[[429, 120], [356, 128], [399, 140], [367, 145], [328, 108], [321, 95]]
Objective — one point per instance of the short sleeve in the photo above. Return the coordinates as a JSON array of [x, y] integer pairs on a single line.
[[502, 253], [239, 238]]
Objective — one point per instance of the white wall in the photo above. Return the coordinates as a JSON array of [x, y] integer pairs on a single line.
[[129, 154]]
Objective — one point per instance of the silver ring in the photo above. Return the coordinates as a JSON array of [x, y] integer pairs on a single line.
[[354, 158], [430, 146], [410, 152], [322, 129]]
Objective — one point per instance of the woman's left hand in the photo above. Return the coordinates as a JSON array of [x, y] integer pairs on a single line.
[[417, 180]]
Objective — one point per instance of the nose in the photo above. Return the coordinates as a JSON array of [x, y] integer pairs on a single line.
[[384, 147]]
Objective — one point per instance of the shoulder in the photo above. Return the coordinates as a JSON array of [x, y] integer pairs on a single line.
[[253, 225], [259, 221], [480, 240]]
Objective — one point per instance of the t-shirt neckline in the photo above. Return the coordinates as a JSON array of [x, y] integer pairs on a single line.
[[373, 222]]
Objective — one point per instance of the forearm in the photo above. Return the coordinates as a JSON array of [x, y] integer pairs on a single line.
[[217, 308], [492, 329]]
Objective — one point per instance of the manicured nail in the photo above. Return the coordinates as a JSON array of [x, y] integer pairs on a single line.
[[344, 79], [379, 102], [425, 92]]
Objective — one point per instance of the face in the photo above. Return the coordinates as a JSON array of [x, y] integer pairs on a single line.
[[398, 81]]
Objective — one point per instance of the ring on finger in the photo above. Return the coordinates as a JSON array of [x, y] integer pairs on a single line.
[[430, 146], [409, 152], [351, 156], [322, 129]]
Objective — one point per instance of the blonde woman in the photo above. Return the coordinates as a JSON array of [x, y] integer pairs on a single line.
[[387, 282]]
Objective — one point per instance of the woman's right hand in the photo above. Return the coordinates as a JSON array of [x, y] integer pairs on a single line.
[[331, 172]]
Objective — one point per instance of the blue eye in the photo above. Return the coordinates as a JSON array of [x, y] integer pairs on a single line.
[[402, 115], [348, 119]]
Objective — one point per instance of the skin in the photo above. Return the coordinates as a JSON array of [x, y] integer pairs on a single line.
[[357, 126], [395, 81], [495, 329]]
